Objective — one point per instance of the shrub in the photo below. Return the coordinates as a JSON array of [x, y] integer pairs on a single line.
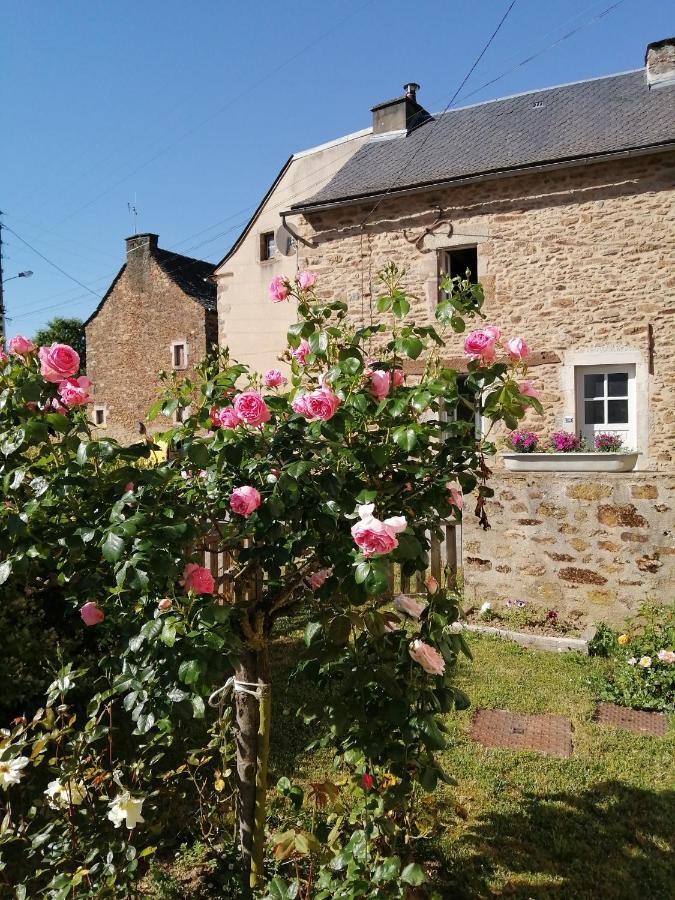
[[641, 661]]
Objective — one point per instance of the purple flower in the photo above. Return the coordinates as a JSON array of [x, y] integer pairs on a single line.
[[565, 442], [608, 443], [524, 441]]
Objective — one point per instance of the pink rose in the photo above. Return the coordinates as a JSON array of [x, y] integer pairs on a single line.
[[526, 389], [430, 659], [58, 362], [409, 606], [278, 289], [20, 345], [3, 357], [225, 417], [431, 584], [244, 500], [666, 656], [251, 408], [306, 280], [367, 781], [273, 378], [91, 614], [165, 604], [495, 332], [75, 391], [456, 496], [317, 579], [480, 345], [198, 579], [319, 404], [517, 349], [301, 352], [373, 536], [381, 381]]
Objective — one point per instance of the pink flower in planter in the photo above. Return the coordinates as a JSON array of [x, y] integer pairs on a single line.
[[75, 391], [91, 614], [666, 656], [517, 349], [373, 536], [58, 362], [251, 408], [225, 417], [278, 289], [244, 500], [273, 378], [20, 345], [430, 659], [198, 579], [526, 389], [319, 404], [480, 344], [409, 606], [318, 579], [306, 280], [301, 352]]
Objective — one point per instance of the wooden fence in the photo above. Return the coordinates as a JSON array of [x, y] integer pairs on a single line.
[[444, 559]]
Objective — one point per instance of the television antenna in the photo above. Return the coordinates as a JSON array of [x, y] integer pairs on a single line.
[[133, 212]]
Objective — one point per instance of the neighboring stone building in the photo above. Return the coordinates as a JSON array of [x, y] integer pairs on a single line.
[[252, 328], [159, 313], [563, 201]]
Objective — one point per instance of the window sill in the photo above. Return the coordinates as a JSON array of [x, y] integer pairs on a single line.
[[570, 462]]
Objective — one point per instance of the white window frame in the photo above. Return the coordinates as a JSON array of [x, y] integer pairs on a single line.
[[609, 359], [101, 408], [184, 345], [590, 431]]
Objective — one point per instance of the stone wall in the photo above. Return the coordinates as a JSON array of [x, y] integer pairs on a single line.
[[129, 341], [578, 260], [593, 546]]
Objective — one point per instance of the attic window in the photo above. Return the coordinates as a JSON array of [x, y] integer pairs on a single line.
[[268, 246], [179, 355], [455, 262]]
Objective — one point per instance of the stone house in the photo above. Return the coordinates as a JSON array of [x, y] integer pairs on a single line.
[[562, 200], [159, 313], [250, 326]]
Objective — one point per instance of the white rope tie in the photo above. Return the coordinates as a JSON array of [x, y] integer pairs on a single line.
[[217, 698]]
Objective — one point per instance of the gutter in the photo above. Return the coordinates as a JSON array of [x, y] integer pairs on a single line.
[[482, 176]]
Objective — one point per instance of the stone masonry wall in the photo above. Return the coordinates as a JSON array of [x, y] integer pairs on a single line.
[[580, 259], [593, 546], [129, 341]]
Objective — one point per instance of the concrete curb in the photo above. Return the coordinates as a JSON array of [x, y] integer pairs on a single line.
[[537, 641]]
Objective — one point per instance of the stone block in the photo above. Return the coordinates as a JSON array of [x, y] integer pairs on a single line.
[[552, 510], [589, 490], [534, 570], [609, 545], [644, 491], [475, 562], [634, 537], [581, 576], [559, 557], [627, 516], [601, 597], [579, 544]]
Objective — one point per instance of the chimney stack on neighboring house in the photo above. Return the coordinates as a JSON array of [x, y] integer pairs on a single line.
[[140, 248], [402, 114], [660, 63]]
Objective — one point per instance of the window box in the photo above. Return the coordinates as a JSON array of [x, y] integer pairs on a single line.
[[570, 462]]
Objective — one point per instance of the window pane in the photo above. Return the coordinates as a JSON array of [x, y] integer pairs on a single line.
[[617, 384], [595, 412], [617, 412], [594, 386]]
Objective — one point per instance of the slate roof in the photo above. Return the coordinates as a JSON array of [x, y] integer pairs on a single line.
[[188, 273], [574, 121]]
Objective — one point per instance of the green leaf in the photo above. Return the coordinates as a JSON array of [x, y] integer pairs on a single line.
[[361, 572], [198, 708], [113, 547], [318, 343], [312, 632], [188, 671], [388, 869], [5, 570], [199, 455], [405, 437], [412, 347], [400, 306], [339, 630], [414, 875]]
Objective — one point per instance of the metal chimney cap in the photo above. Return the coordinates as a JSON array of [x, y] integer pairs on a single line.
[[411, 89]]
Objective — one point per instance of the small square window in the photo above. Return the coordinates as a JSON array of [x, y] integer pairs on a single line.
[[457, 262], [178, 355], [99, 416], [268, 246], [606, 402]]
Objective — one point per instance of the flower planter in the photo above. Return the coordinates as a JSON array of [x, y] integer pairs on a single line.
[[570, 462]]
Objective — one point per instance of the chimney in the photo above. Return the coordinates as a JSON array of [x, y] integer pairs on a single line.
[[660, 63], [140, 248], [402, 114]]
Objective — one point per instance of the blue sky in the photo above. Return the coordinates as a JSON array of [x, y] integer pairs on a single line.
[[191, 108]]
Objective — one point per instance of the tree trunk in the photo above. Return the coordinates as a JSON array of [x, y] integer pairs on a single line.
[[248, 723], [253, 741]]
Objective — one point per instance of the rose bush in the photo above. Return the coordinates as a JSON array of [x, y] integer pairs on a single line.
[[312, 492]]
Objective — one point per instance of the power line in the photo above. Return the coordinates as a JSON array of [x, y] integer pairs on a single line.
[[49, 261], [447, 107]]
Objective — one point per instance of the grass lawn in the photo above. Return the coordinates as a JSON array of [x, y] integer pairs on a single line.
[[521, 824]]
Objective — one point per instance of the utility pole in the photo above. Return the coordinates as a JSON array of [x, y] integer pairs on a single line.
[[2, 295]]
